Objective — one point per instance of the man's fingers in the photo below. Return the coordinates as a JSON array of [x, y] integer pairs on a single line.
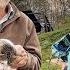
[[19, 64], [21, 57], [22, 63], [16, 61]]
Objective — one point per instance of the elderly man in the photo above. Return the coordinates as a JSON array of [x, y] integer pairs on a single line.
[[18, 28]]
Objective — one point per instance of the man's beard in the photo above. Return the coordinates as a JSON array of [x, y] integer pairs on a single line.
[[4, 3]]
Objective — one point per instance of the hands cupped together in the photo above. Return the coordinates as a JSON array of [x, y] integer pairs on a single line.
[[21, 57]]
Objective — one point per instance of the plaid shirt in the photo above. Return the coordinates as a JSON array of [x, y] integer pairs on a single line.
[[9, 15]]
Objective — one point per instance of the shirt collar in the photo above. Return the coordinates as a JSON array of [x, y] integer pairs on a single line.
[[9, 15]]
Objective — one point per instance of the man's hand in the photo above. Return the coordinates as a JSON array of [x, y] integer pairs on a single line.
[[21, 57]]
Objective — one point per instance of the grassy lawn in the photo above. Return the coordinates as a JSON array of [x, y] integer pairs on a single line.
[[47, 39]]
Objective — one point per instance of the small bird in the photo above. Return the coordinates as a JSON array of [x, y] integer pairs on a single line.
[[6, 54]]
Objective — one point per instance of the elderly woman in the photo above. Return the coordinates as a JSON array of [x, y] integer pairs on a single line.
[[18, 28]]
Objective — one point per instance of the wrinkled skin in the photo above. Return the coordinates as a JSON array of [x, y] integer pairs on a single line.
[[4, 3]]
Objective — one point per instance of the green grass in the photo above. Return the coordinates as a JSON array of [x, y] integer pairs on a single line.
[[47, 39]]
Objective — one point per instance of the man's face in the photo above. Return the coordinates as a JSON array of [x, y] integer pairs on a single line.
[[4, 3]]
